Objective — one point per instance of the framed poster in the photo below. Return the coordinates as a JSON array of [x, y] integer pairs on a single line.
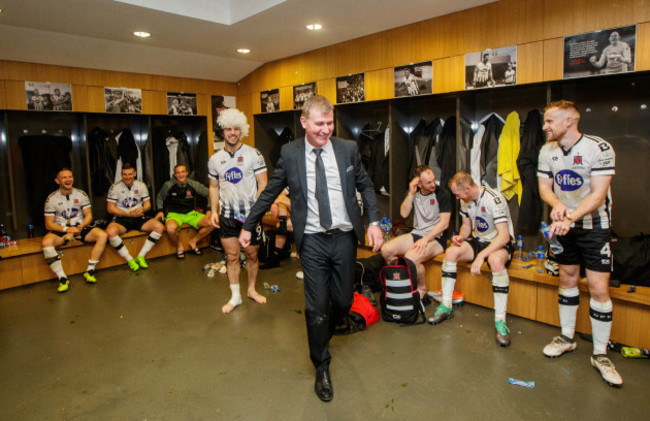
[[491, 68], [597, 53], [350, 88], [302, 93], [45, 96], [270, 100], [123, 100], [180, 103], [414, 79]]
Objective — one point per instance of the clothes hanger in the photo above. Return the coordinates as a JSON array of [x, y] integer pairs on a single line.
[[490, 115]]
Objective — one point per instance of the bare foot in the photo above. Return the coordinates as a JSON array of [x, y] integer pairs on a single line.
[[257, 297], [230, 305]]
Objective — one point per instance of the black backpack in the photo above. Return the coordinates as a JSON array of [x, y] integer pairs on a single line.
[[400, 299], [631, 257]]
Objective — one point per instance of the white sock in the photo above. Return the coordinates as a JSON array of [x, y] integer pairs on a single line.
[[500, 286], [448, 282], [151, 241], [235, 300], [568, 300], [601, 324], [119, 246], [54, 261], [91, 266]]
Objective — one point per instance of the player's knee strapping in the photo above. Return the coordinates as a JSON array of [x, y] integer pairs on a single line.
[[568, 301], [500, 288], [448, 282]]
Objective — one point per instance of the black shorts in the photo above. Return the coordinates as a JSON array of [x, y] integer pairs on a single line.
[[442, 240], [230, 227], [479, 246], [590, 247], [131, 223], [82, 235]]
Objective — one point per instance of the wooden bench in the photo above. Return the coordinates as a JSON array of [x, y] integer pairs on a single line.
[[25, 264], [534, 296]]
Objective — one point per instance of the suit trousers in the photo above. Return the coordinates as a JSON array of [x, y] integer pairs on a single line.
[[328, 262]]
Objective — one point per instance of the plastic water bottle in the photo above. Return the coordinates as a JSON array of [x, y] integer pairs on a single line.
[[386, 226], [540, 259], [554, 243], [30, 230], [519, 250]]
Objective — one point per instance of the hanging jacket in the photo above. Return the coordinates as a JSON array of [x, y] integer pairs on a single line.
[[101, 162], [183, 153], [464, 147], [127, 152], [160, 158], [416, 137], [507, 161], [532, 140], [447, 151], [489, 150]]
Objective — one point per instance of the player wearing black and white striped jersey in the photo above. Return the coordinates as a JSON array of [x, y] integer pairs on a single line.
[[68, 216], [128, 201], [486, 212], [237, 176], [575, 172]]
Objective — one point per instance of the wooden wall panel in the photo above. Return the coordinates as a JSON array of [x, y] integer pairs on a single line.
[[327, 88], [286, 98], [449, 74], [96, 102], [553, 58], [15, 91], [3, 95], [643, 47], [563, 17], [530, 62], [79, 98], [154, 102], [204, 106], [380, 84]]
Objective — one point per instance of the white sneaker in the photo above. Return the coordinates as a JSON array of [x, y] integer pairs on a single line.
[[300, 275], [559, 346], [607, 370]]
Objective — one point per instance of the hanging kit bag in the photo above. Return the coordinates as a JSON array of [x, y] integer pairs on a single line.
[[400, 298]]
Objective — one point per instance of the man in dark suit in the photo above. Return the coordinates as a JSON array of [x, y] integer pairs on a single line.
[[323, 175]]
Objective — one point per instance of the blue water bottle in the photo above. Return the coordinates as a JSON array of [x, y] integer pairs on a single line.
[[540, 259], [554, 243], [519, 250]]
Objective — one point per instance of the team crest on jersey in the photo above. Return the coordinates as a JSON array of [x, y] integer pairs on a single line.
[[483, 209], [240, 160], [432, 202], [188, 193], [234, 175], [136, 192], [577, 160], [481, 224], [395, 275], [568, 180], [76, 200]]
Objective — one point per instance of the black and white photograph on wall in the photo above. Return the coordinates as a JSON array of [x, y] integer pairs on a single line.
[[302, 93], [180, 103], [123, 100], [44, 96], [491, 68], [600, 53], [270, 100], [350, 88], [220, 103], [414, 79]]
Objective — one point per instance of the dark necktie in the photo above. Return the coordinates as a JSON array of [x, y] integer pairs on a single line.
[[321, 192]]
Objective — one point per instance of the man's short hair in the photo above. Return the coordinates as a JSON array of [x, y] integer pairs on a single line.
[[232, 117], [180, 165], [461, 179], [127, 166], [563, 105], [420, 169], [317, 102]]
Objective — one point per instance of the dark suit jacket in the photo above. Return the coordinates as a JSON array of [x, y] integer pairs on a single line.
[[291, 171]]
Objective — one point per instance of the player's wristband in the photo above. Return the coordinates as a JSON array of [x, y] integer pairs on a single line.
[[65, 229]]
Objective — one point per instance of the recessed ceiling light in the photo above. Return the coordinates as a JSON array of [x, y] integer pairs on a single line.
[[243, 50], [315, 27], [142, 34]]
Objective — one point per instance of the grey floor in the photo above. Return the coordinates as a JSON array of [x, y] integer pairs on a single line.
[[155, 346]]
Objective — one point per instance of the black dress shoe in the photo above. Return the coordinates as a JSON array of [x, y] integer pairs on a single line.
[[323, 386]]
